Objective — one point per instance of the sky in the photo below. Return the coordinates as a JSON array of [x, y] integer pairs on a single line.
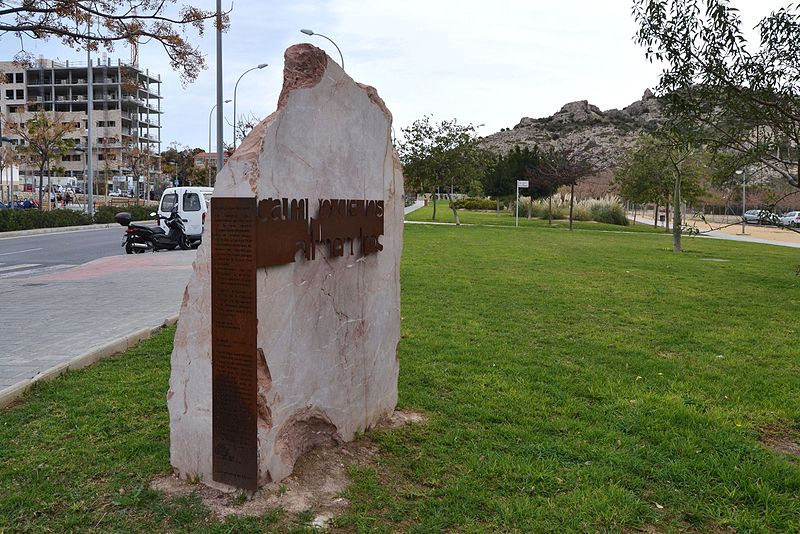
[[488, 63]]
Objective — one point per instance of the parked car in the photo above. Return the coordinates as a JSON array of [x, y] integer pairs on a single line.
[[791, 218], [760, 217]]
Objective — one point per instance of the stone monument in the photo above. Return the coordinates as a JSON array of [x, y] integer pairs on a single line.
[[288, 330]]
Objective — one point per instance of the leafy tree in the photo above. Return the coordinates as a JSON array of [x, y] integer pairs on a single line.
[[500, 180], [664, 169], [440, 155], [747, 99], [43, 140], [559, 167], [8, 157], [90, 24], [181, 159]]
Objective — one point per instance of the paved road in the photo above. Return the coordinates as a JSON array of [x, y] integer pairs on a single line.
[[35, 254], [59, 302]]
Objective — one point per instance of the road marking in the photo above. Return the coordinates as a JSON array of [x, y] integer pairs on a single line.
[[20, 251], [19, 266], [31, 272]]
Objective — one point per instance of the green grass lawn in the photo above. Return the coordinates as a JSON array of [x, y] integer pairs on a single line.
[[573, 382], [505, 218]]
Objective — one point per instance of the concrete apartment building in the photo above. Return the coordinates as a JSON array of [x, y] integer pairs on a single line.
[[126, 116]]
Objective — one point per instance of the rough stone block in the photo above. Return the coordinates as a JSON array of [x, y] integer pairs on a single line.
[[327, 328]]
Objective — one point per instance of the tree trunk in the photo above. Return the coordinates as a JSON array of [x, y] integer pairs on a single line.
[[41, 185], [433, 197], [571, 203], [497, 213], [666, 219], [676, 220], [453, 207], [550, 210]]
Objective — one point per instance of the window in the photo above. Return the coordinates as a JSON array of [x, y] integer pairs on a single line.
[[20, 94], [169, 202], [9, 94], [191, 202], [19, 77]]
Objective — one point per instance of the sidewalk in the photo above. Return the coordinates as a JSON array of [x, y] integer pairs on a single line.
[[107, 303], [413, 207], [716, 234]]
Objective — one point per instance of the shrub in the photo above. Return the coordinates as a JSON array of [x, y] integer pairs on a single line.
[[105, 214], [476, 204], [610, 213], [581, 213], [18, 219]]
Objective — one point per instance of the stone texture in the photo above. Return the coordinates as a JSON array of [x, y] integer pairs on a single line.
[[327, 329], [604, 135]]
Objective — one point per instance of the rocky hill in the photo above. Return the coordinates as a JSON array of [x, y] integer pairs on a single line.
[[604, 135]]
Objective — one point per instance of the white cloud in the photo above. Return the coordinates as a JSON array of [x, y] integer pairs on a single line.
[[485, 62]]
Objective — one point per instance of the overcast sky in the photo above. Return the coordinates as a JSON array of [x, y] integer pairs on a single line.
[[483, 62]]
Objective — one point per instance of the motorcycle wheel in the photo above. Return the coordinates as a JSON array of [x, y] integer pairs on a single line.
[[184, 243], [129, 248]]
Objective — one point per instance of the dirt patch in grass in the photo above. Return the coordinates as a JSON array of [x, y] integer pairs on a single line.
[[780, 438], [316, 484]]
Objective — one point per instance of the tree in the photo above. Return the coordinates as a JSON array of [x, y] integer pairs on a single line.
[[244, 125], [181, 159], [440, 155], [564, 166], [747, 100], [88, 24], [500, 180], [43, 140], [664, 168], [8, 157]]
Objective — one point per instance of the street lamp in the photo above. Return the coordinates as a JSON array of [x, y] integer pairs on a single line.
[[260, 66], [175, 181], [209, 139], [744, 181], [311, 32]]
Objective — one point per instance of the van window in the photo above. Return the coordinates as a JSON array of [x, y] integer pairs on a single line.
[[168, 202], [191, 202]]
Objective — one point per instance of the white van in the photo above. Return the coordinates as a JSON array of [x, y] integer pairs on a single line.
[[192, 204]]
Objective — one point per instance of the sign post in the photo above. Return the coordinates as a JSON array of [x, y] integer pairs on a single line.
[[523, 184]]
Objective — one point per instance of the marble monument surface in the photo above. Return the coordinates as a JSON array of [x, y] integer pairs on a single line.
[[326, 189]]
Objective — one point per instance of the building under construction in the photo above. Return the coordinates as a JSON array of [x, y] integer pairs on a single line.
[[126, 116]]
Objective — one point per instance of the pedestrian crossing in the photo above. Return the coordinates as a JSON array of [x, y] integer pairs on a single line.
[[27, 270]]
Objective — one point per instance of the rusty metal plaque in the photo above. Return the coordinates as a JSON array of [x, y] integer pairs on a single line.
[[233, 342]]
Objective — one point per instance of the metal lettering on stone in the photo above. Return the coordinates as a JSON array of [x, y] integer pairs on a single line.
[[244, 237], [233, 342]]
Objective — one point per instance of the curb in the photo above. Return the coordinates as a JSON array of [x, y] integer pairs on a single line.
[[121, 344], [61, 229]]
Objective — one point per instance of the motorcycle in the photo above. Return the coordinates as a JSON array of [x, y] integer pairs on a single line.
[[139, 238]]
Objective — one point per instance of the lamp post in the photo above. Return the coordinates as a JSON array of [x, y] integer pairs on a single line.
[[311, 32], [82, 149], [744, 181], [235, 122], [209, 139], [175, 181]]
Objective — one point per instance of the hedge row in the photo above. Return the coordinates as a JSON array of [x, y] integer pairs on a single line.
[[29, 219], [476, 204]]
